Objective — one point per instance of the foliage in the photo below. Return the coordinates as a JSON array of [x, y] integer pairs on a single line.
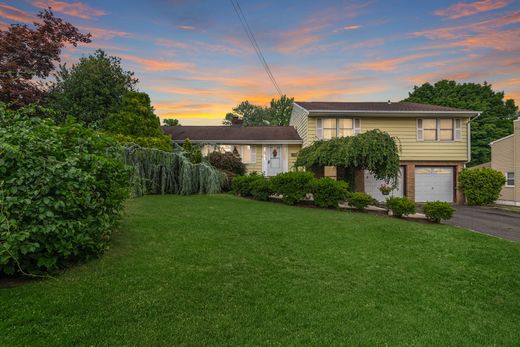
[[163, 142], [400, 206], [191, 151], [435, 211], [61, 191], [360, 200], [27, 54], [171, 122], [481, 186], [293, 186], [160, 172], [92, 89], [278, 113], [328, 192], [227, 162], [373, 150], [496, 120], [261, 188], [134, 117], [242, 185]]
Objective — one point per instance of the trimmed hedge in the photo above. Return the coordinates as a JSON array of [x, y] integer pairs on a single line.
[[360, 200], [481, 186], [261, 188], [436, 211], [242, 185], [328, 192], [61, 192], [293, 186], [400, 206]]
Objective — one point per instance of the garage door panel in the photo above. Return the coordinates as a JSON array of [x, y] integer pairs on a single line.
[[434, 184], [372, 186]]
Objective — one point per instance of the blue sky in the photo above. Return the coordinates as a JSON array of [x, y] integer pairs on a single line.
[[195, 60]]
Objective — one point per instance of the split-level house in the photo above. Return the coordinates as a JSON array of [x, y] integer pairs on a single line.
[[434, 142]]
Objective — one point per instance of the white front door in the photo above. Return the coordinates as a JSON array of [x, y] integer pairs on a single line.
[[434, 183], [274, 160], [372, 185]]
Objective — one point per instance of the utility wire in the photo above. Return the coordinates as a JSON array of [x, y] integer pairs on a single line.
[[254, 43]]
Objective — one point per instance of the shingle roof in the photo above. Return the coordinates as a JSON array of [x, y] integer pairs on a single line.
[[230, 134], [378, 107]]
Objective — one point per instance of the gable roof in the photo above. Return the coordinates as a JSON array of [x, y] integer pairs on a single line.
[[233, 134], [375, 107]]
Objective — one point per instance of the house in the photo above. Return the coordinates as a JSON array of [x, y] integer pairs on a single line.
[[265, 149], [434, 142], [505, 157]]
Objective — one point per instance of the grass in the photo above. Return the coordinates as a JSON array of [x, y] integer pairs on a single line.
[[220, 270]]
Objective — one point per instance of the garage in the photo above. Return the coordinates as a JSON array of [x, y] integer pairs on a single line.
[[372, 186], [433, 183]]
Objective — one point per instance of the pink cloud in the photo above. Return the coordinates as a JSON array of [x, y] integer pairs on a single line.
[[104, 34], [15, 14], [388, 65], [157, 64], [76, 9], [464, 9], [346, 28]]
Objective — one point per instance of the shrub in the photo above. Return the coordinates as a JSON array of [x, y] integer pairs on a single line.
[[328, 192], [230, 164], [242, 185], [435, 211], [261, 188], [61, 192], [360, 200], [481, 186], [293, 186], [164, 143], [400, 206]]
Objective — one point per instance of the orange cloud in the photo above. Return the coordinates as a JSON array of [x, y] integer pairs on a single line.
[[15, 14], [3, 25], [76, 9], [388, 65], [156, 64], [463, 9]]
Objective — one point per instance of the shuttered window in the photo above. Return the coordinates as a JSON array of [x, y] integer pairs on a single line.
[[439, 129]]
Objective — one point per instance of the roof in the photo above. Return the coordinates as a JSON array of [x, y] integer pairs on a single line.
[[233, 134], [397, 107], [488, 164], [501, 139]]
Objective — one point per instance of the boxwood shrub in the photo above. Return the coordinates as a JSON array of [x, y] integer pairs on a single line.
[[261, 189], [360, 200], [242, 185], [436, 211], [328, 192], [293, 186], [400, 206], [481, 186], [61, 191]]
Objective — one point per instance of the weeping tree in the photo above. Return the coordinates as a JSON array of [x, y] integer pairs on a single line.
[[374, 150], [160, 172]]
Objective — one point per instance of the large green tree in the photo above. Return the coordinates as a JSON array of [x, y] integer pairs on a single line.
[[497, 116], [92, 89], [278, 113]]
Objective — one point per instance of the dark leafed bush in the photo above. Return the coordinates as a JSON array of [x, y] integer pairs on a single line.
[[360, 200], [481, 186], [231, 165], [242, 185], [328, 192], [436, 211], [61, 191], [400, 206], [261, 189], [293, 186]]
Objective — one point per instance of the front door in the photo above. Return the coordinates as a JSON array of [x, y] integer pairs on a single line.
[[274, 160]]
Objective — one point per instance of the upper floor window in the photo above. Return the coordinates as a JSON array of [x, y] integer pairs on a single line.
[[439, 129], [510, 179], [329, 128]]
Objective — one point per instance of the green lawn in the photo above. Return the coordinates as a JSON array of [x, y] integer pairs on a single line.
[[220, 270]]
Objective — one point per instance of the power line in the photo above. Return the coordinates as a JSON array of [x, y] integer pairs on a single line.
[[254, 43]]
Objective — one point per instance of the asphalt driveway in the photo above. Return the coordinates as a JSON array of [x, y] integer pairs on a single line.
[[488, 220]]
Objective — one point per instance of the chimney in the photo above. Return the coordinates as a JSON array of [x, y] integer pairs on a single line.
[[236, 121], [389, 102]]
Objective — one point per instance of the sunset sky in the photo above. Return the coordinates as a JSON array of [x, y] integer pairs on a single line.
[[195, 60]]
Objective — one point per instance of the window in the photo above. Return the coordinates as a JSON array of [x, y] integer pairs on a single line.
[[328, 128], [510, 179], [439, 129], [248, 154]]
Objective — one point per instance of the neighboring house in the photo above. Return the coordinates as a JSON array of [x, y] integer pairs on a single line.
[[267, 150], [434, 141], [505, 157]]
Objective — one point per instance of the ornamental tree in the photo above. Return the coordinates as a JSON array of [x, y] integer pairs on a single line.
[[28, 53]]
